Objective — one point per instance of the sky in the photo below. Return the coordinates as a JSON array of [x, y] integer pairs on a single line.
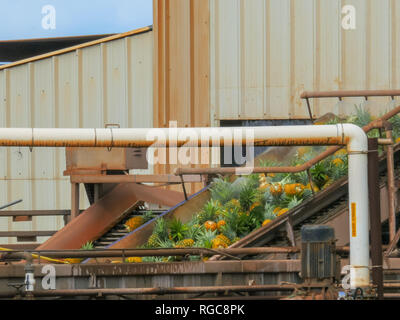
[[26, 19]]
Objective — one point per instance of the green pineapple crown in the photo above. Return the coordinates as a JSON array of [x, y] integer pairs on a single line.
[[177, 229], [88, 246], [161, 229]]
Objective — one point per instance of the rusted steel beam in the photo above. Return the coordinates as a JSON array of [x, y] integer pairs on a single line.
[[349, 93], [161, 178], [375, 215], [74, 200], [118, 253], [111, 253], [7, 234], [162, 291], [391, 187], [34, 213]]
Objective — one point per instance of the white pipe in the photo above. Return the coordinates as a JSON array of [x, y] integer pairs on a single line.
[[357, 148], [341, 134]]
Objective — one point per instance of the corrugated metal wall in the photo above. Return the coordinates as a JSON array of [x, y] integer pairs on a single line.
[[182, 67], [111, 82], [264, 53]]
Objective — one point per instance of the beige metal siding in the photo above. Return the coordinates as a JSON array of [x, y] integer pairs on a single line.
[[264, 53], [105, 83]]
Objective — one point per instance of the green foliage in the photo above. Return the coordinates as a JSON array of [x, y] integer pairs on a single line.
[[177, 229], [161, 229], [88, 246]]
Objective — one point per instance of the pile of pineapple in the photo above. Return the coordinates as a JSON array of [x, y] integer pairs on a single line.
[[238, 207]]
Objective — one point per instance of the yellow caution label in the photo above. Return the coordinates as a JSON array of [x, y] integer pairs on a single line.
[[353, 220]]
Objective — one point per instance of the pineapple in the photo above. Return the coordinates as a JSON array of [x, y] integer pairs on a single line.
[[186, 243], [264, 187], [247, 196], [177, 229], [282, 211], [222, 190], [205, 238], [338, 162], [276, 189], [224, 239], [134, 260], [220, 224], [228, 232], [276, 210], [328, 183], [160, 232], [88, 246], [255, 205], [267, 221], [218, 243], [153, 241], [293, 188], [308, 187], [210, 225], [137, 221], [341, 152], [234, 203], [134, 223], [319, 174], [210, 211]]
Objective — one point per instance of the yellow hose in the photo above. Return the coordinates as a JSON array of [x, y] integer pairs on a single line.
[[41, 257]]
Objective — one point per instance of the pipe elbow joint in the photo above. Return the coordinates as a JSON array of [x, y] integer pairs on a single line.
[[355, 137]]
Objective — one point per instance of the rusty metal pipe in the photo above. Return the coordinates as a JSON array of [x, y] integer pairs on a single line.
[[15, 254], [391, 188], [349, 93]]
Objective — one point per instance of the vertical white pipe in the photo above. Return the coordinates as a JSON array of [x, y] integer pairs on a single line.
[[357, 148]]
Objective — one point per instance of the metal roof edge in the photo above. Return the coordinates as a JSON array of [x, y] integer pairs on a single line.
[[76, 47]]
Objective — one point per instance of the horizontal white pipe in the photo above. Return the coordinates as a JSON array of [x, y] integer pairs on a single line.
[[135, 137], [341, 134]]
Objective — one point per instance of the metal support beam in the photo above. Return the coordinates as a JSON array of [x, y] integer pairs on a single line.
[[74, 200], [391, 188], [375, 215]]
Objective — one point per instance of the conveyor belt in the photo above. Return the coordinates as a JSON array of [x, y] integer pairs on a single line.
[[320, 209]]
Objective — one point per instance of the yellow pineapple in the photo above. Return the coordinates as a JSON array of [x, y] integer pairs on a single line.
[[293, 188], [254, 205], [341, 152], [218, 243], [210, 225], [224, 238], [276, 189], [134, 223], [315, 188], [267, 221], [134, 259], [220, 224], [282, 211], [338, 162], [276, 210], [186, 243]]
